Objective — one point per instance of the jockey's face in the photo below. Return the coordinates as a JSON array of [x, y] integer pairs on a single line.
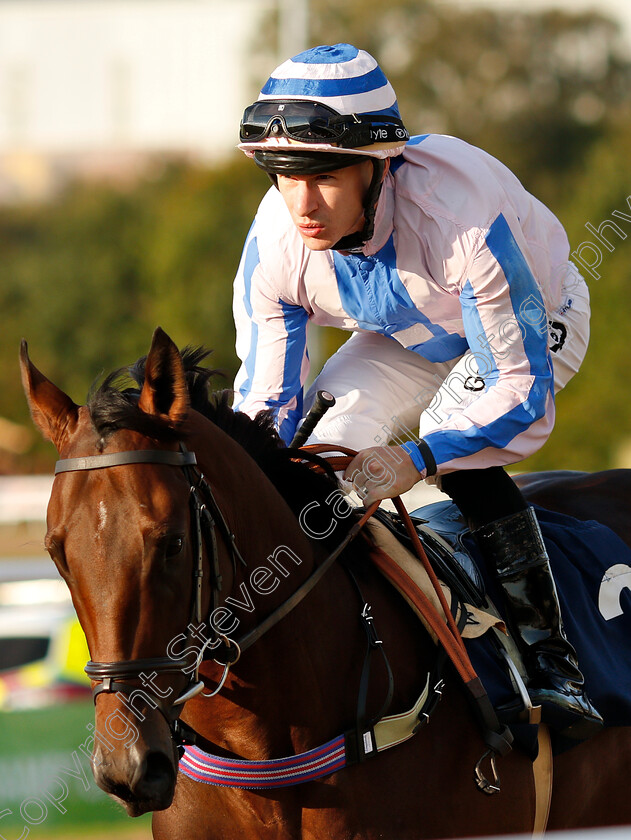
[[326, 207]]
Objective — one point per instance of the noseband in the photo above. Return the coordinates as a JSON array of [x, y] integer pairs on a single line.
[[111, 677]]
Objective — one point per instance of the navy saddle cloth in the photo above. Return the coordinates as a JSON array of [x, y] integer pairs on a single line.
[[592, 570]]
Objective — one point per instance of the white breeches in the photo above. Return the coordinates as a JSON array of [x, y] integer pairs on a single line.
[[383, 390]]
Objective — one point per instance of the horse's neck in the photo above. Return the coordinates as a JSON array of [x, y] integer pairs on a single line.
[[289, 692], [297, 688], [259, 516], [298, 685], [278, 554]]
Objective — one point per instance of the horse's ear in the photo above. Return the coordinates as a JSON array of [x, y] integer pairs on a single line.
[[164, 392], [53, 412]]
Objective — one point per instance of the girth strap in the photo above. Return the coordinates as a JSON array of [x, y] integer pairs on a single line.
[[542, 770]]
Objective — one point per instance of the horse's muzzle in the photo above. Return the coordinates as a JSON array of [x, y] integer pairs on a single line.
[[140, 780]]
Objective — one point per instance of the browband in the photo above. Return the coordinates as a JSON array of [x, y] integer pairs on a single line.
[[134, 456]]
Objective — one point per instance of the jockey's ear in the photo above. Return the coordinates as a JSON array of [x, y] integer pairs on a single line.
[[164, 392], [53, 412]]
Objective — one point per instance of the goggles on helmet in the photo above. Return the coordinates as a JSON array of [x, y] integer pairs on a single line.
[[312, 122]]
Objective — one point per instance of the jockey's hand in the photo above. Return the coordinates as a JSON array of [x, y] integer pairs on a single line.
[[381, 472]]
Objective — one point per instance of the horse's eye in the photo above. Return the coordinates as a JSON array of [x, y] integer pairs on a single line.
[[173, 547]]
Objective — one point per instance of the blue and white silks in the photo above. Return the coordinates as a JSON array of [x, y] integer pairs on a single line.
[[463, 259]]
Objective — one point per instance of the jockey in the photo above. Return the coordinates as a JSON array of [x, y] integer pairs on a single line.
[[449, 276]]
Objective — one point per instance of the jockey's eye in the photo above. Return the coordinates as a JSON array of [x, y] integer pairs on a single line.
[[173, 546]]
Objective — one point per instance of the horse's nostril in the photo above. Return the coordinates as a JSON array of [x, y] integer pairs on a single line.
[[121, 792], [158, 770]]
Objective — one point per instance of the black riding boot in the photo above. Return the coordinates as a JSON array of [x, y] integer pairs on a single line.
[[515, 548]]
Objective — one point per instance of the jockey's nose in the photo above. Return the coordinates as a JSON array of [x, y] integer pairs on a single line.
[[305, 197]]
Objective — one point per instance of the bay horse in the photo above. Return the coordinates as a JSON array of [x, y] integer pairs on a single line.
[[123, 523]]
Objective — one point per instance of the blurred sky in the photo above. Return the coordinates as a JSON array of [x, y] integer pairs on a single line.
[[88, 86], [618, 9]]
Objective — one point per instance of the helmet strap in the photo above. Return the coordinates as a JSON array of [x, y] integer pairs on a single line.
[[300, 162], [353, 243]]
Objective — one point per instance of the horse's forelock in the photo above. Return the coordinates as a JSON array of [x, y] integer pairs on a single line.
[[112, 410], [114, 406]]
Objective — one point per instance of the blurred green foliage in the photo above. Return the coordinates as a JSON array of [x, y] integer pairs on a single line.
[[87, 277], [37, 749]]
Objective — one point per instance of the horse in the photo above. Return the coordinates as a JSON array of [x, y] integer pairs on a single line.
[[124, 532]]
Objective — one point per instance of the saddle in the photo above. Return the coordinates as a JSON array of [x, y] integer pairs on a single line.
[[442, 531], [440, 528], [592, 570]]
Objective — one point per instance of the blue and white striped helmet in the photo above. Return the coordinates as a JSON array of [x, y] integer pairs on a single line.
[[327, 99]]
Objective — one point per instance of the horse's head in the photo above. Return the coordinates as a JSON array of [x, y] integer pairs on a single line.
[[119, 534]]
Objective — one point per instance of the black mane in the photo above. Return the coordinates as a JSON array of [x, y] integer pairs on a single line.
[[114, 405]]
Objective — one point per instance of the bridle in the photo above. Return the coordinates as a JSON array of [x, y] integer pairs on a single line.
[[206, 516]]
